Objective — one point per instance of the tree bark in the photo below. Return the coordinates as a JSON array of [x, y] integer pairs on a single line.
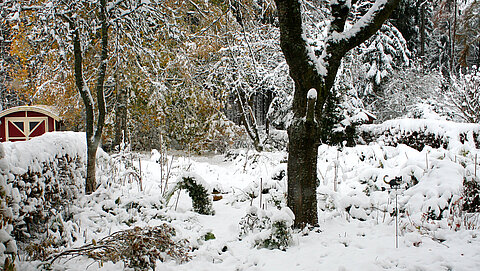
[[92, 137], [422, 28], [303, 132], [121, 115]]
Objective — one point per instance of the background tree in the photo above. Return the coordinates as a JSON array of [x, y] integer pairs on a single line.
[[314, 64], [252, 69], [76, 34]]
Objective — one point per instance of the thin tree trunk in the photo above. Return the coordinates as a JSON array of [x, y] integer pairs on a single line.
[[91, 184], [422, 28], [453, 38], [121, 115]]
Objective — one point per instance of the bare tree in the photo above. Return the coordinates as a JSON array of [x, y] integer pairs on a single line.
[[313, 68]]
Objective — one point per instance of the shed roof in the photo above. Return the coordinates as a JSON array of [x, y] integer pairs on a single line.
[[47, 110]]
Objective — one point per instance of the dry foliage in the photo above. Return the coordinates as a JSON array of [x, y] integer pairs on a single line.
[[138, 248]]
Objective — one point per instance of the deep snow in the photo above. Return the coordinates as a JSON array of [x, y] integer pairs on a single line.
[[361, 239]]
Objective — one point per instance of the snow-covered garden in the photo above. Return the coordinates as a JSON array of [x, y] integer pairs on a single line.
[[142, 215], [239, 135]]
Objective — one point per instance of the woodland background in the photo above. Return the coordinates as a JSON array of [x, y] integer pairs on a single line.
[[192, 72]]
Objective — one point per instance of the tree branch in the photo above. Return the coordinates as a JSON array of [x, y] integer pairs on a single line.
[[339, 43], [364, 28]]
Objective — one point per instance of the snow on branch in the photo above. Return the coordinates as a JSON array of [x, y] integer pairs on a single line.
[[366, 26]]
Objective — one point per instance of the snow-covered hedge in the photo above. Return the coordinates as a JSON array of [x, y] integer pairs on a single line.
[[38, 178], [418, 133]]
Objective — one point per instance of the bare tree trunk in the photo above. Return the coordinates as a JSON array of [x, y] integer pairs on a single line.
[[91, 184], [121, 115], [93, 138], [453, 38], [422, 28]]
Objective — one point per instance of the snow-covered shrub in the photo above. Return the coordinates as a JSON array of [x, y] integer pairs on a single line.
[[42, 194], [418, 133], [254, 221], [120, 166], [8, 247], [139, 248], [459, 218], [38, 179], [272, 189], [197, 189], [276, 140], [281, 230], [471, 195], [270, 229]]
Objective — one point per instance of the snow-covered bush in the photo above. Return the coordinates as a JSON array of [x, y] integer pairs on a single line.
[[471, 195], [43, 176], [39, 178], [197, 189], [121, 166], [270, 229], [254, 221], [418, 133]]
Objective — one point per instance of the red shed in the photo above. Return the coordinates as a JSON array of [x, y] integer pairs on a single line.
[[24, 122]]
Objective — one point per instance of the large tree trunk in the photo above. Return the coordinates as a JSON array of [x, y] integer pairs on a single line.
[[302, 134], [308, 73], [303, 140]]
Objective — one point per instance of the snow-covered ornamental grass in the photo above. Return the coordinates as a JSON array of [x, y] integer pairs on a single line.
[[38, 179]]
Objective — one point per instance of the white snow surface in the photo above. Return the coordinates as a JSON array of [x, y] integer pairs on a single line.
[[24, 155], [361, 239]]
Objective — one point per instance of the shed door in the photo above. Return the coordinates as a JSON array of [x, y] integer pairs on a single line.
[[20, 129]]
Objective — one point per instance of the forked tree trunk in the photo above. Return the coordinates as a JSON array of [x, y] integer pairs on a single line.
[[93, 136], [303, 132]]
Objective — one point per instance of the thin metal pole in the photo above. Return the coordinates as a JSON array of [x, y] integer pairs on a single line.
[[426, 159], [396, 218]]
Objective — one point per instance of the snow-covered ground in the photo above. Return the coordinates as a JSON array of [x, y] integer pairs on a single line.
[[356, 222]]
